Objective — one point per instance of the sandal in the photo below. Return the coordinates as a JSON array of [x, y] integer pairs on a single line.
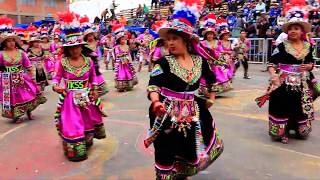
[[284, 140]]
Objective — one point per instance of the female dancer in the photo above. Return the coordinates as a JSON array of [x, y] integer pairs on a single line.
[[48, 59], [90, 37], [19, 92], [79, 112], [225, 72], [182, 129], [125, 76], [291, 102], [37, 57]]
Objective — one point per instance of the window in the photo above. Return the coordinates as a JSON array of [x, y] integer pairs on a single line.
[[27, 2], [50, 3]]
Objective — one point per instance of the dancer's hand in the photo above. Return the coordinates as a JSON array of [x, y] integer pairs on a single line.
[[94, 94], [209, 103], [306, 67], [275, 80], [58, 89], [158, 108]]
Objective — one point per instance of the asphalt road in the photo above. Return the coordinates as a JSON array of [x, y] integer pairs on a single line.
[[33, 150]]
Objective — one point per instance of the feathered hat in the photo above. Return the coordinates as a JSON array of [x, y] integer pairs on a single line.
[[34, 34], [118, 30], [70, 26], [297, 13], [222, 26], [6, 29], [20, 32], [185, 16], [57, 33], [86, 27], [44, 32], [210, 23], [156, 26]]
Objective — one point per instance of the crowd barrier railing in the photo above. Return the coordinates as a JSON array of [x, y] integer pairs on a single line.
[[261, 49]]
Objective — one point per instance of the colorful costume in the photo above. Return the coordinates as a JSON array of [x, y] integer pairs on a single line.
[[79, 115], [19, 93], [189, 131], [37, 60], [185, 137], [291, 102], [125, 75]]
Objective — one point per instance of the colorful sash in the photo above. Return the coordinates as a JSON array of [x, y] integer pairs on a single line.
[[6, 105]]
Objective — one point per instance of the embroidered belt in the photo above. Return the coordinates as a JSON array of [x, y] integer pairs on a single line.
[[77, 84], [177, 95], [13, 69], [290, 68]]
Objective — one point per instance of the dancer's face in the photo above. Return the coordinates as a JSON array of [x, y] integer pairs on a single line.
[[45, 40], [90, 37], [123, 41], [295, 32], [36, 44], [10, 43], [75, 51], [210, 36], [176, 44]]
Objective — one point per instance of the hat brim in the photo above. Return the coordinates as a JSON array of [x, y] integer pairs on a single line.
[[85, 34], [306, 26], [74, 44], [15, 37], [164, 31], [207, 31]]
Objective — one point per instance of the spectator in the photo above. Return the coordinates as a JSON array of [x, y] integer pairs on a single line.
[[251, 29], [261, 7], [262, 26], [281, 19], [145, 9], [123, 20], [104, 14], [274, 13], [139, 11], [112, 7], [155, 2], [231, 20], [96, 20], [232, 5], [246, 11]]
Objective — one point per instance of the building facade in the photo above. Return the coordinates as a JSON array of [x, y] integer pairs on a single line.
[[27, 11]]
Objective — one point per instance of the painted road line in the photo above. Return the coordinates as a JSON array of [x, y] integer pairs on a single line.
[[292, 151], [11, 131]]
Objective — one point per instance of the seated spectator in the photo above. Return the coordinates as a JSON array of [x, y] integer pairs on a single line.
[[145, 9], [123, 20], [139, 11], [261, 7], [281, 19], [231, 20]]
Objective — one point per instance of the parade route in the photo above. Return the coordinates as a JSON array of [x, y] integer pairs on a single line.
[[33, 150]]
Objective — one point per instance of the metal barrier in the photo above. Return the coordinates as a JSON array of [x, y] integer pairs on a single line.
[[261, 49]]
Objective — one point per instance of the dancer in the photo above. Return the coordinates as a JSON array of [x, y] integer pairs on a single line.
[[19, 92], [225, 72], [144, 50], [56, 45], [90, 38], [48, 59], [125, 76], [210, 45], [79, 112], [291, 102], [36, 56], [183, 132], [108, 42]]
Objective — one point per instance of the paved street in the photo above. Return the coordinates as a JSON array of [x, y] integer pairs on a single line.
[[33, 150]]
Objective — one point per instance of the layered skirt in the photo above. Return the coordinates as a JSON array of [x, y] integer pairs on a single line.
[[19, 95], [78, 125], [125, 76], [185, 149]]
